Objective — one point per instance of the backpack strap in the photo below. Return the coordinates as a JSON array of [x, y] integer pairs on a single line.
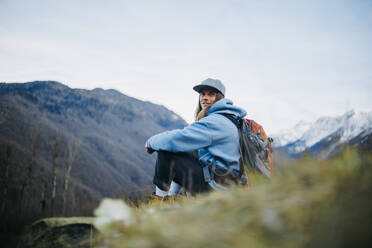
[[216, 186], [233, 119], [239, 125], [207, 174], [210, 180]]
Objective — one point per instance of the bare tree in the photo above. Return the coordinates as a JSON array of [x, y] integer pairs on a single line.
[[42, 201], [35, 153], [71, 157], [7, 164], [55, 154]]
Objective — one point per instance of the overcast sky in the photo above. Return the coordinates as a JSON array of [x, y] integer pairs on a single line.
[[283, 61]]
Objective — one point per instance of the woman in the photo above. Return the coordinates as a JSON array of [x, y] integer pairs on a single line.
[[204, 150]]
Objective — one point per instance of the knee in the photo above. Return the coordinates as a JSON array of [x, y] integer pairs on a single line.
[[164, 154], [165, 158]]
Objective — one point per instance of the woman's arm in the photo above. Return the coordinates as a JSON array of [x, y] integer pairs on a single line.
[[192, 137]]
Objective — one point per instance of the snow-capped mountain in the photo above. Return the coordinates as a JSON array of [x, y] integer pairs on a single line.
[[328, 132], [290, 135]]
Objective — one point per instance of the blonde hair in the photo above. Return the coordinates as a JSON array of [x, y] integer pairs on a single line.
[[200, 113]]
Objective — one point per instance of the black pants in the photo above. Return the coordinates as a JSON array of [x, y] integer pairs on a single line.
[[182, 168]]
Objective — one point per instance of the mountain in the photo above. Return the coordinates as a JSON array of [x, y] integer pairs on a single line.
[[62, 150], [327, 135]]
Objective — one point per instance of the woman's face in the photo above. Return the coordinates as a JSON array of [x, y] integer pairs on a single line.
[[207, 97]]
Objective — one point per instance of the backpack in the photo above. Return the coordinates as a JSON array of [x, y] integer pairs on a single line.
[[255, 148]]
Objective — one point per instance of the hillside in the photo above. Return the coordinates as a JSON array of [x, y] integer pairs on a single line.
[[62, 150]]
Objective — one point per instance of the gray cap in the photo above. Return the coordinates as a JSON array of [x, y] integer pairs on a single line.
[[209, 82]]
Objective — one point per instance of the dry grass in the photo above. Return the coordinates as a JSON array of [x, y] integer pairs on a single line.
[[309, 204]]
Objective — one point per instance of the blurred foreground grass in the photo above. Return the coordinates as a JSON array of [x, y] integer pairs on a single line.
[[308, 204]]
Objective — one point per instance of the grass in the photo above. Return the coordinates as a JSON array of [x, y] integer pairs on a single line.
[[308, 204]]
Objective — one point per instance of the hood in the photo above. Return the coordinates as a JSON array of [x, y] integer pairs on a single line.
[[226, 106]]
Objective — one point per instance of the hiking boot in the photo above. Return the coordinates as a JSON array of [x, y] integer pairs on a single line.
[[155, 199]]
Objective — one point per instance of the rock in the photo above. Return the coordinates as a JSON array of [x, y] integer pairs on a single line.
[[60, 232]]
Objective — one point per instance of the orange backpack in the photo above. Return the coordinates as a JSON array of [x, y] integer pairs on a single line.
[[255, 147], [265, 146]]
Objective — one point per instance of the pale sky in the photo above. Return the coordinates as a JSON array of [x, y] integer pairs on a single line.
[[283, 61]]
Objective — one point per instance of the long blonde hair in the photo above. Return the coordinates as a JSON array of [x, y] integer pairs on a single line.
[[200, 113]]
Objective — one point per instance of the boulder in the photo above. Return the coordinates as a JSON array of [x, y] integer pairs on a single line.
[[60, 232]]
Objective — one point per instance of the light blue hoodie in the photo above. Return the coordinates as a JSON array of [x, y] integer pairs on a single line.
[[215, 137]]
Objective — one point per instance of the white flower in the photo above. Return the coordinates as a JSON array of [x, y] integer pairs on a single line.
[[271, 220], [111, 211], [150, 210]]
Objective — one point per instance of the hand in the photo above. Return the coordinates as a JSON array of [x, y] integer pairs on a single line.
[[149, 150]]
